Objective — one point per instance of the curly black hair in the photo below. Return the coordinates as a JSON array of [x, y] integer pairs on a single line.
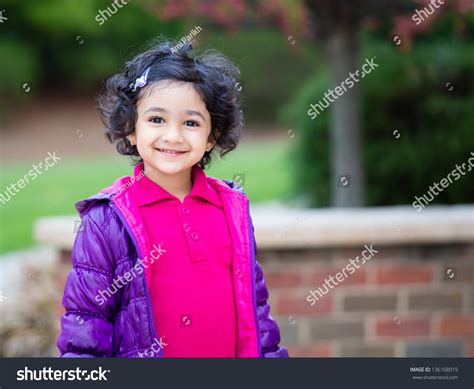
[[213, 76]]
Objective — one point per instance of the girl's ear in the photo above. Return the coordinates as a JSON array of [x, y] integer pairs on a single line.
[[210, 144], [132, 139]]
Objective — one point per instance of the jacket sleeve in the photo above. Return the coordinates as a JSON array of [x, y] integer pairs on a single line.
[[269, 331], [87, 324]]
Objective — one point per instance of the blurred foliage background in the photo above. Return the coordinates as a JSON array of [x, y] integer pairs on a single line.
[[57, 44], [57, 51], [418, 115]]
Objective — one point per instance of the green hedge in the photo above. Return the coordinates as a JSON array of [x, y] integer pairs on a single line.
[[407, 93]]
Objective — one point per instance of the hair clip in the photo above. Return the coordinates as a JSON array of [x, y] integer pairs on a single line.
[[141, 81]]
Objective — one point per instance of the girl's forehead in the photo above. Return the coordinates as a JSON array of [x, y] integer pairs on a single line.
[[166, 88], [171, 94]]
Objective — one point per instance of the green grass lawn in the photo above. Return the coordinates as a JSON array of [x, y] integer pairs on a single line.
[[265, 165]]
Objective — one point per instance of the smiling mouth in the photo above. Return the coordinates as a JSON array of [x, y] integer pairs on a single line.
[[173, 153]]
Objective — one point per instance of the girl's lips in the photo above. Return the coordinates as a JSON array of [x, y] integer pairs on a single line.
[[171, 153]]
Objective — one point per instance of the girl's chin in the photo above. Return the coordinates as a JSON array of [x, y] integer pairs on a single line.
[[170, 167]]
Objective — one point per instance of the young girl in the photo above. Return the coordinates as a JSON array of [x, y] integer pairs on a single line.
[[164, 263]]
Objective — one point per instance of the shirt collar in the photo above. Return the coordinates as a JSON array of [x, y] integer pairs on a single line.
[[149, 192]]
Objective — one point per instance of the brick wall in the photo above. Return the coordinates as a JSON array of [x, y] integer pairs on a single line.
[[402, 302], [415, 301]]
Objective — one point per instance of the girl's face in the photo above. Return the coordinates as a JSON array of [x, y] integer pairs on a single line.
[[172, 128]]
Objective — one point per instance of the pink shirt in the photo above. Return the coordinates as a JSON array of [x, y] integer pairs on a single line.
[[191, 283]]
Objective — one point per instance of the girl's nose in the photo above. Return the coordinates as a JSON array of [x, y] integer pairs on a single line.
[[173, 133]]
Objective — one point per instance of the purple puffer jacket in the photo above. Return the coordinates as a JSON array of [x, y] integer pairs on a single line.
[[109, 243]]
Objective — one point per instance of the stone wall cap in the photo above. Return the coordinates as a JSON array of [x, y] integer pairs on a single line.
[[278, 227], [326, 227]]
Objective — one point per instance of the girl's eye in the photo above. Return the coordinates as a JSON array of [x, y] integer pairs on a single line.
[[157, 120], [191, 123]]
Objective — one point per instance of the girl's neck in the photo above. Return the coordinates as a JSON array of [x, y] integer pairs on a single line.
[[179, 184]]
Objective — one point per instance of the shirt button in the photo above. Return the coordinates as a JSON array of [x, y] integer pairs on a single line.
[[186, 227], [194, 236], [185, 210], [239, 273]]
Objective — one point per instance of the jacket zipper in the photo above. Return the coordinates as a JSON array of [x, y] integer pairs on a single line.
[[252, 272], [132, 236]]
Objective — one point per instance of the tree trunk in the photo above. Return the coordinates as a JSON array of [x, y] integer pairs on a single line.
[[348, 187]]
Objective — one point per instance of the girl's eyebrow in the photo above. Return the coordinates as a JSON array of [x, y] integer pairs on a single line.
[[155, 109], [188, 111]]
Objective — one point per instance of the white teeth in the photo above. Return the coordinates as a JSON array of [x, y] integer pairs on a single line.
[[170, 151]]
